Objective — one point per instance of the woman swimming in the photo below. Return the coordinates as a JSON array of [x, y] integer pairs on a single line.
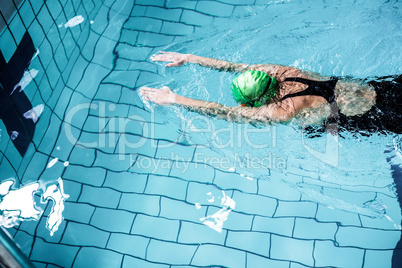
[[274, 93]]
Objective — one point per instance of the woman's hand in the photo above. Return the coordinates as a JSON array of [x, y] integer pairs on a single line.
[[163, 96], [175, 59]]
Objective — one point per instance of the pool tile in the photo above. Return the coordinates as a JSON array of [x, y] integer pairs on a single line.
[[311, 229], [172, 253], [238, 221], [112, 31], [64, 143], [26, 13], [367, 238], [154, 227], [17, 27], [54, 75], [82, 156], [325, 252], [281, 226], [101, 197], [92, 176], [204, 194], [255, 242], [43, 232], [89, 7], [296, 209], [375, 259], [108, 109], [95, 124], [62, 255], [195, 18], [124, 78], [123, 6], [46, 52], [102, 58], [145, 77], [45, 89], [278, 188], [173, 209], [153, 39], [175, 28], [36, 33], [228, 180], [254, 261], [129, 262], [238, 2], [174, 151], [167, 131], [133, 53], [189, 4], [44, 18], [160, 3], [77, 73], [54, 8], [218, 255], [128, 36], [109, 92], [166, 186], [163, 13], [284, 248], [128, 244], [215, 8], [7, 46], [105, 142], [126, 181], [88, 50], [134, 144], [254, 204], [38, 160], [336, 215], [115, 162], [148, 165], [140, 203], [72, 55], [136, 113], [83, 235], [78, 212], [92, 77], [112, 220], [191, 233], [192, 171], [144, 24], [100, 21], [144, 66], [73, 189], [24, 241], [98, 258]]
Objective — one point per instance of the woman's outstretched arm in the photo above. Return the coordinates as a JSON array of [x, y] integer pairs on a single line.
[[175, 59], [265, 114]]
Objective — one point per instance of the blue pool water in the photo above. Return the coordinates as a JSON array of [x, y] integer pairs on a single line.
[[110, 181]]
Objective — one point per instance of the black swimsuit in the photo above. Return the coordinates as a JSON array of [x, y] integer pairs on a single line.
[[384, 116]]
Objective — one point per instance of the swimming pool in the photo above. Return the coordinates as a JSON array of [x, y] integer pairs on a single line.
[[109, 181]]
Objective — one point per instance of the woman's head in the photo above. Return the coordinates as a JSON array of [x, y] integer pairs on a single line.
[[254, 88]]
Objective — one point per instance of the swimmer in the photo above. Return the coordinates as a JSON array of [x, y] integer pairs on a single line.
[[270, 93]]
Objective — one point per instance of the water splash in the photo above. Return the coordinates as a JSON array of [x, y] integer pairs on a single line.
[[14, 135], [25, 80], [57, 195], [74, 21], [19, 205], [216, 220], [34, 113]]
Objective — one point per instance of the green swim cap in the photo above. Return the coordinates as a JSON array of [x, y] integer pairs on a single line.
[[254, 88]]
